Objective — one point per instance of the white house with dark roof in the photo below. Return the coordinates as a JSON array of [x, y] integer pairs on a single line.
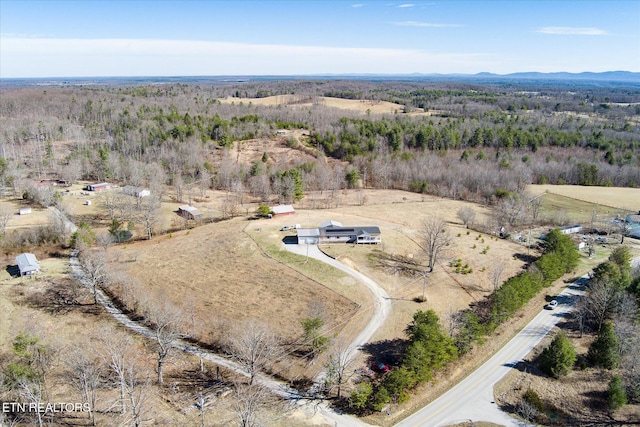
[[27, 264], [335, 232]]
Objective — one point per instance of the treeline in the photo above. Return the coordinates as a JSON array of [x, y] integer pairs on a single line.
[[429, 348], [482, 138], [609, 312]]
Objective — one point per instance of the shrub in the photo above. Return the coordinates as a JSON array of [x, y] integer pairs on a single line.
[[360, 396], [263, 211], [616, 394], [533, 398]]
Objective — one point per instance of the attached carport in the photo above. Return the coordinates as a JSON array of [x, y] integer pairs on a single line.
[[308, 236]]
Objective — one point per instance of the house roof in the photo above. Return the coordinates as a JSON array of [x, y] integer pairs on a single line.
[[308, 232], [188, 208], [27, 262], [282, 209], [633, 218], [327, 224], [569, 227], [350, 231]]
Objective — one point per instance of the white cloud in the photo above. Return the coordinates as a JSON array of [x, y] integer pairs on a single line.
[[406, 5], [577, 31], [358, 5], [21, 57], [423, 24]]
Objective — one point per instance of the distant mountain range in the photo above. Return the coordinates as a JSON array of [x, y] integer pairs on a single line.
[[618, 76], [607, 78]]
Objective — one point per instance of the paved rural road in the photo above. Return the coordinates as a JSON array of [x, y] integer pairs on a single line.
[[382, 304], [472, 399]]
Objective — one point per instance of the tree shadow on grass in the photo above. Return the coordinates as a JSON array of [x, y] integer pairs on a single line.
[[386, 351], [526, 258], [60, 297]]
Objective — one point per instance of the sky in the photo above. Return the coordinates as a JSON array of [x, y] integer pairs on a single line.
[[93, 38]]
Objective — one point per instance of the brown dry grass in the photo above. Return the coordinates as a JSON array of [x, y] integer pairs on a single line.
[[399, 221], [26, 305], [576, 399], [220, 273], [38, 216], [357, 105]]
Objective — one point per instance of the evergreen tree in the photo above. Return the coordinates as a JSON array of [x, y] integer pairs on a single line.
[[557, 359], [604, 351], [616, 394]]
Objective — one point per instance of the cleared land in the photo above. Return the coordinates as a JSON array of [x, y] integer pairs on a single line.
[[220, 274], [614, 197], [361, 106]]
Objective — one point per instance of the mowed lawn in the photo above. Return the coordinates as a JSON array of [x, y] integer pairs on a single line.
[[614, 197], [217, 273]]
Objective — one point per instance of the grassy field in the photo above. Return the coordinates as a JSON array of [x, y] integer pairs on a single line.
[[611, 198], [225, 272], [219, 273]]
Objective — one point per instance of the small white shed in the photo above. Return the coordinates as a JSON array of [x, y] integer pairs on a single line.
[[27, 264]]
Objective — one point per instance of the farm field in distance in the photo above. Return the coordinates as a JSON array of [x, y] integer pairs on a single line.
[[385, 154]]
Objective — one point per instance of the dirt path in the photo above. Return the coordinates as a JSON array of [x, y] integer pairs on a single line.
[[278, 387]]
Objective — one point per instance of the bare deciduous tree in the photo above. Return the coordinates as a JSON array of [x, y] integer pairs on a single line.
[[32, 391], [601, 300], [248, 404], [5, 216], [434, 239], [115, 352], [150, 213], [580, 313], [166, 320], [496, 273], [535, 206], [253, 345], [94, 264], [86, 377], [467, 215], [119, 354], [338, 368], [112, 200], [453, 320]]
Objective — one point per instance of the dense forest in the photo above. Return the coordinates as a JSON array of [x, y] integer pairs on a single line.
[[459, 140]]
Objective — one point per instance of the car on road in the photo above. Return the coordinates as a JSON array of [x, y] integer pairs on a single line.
[[552, 304], [287, 228], [378, 366]]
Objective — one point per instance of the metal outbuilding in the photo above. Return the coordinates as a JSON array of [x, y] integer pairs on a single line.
[[27, 264], [283, 210], [189, 212]]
